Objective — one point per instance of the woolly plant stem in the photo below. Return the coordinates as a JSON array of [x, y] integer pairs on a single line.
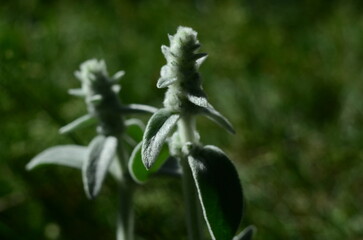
[[125, 220], [186, 128]]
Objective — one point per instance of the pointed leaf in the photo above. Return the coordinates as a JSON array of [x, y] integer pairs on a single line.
[[84, 121], [195, 47], [137, 169], [116, 88], [219, 190], [165, 82], [137, 108], [199, 61], [214, 115], [102, 151], [200, 101], [165, 50], [118, 75], [66, 155], [197, 56], [78, 75], [157, 129], [96, 98], [171, 37], [246, 234], [77, 92]]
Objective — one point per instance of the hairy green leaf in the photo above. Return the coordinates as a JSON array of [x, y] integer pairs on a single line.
[[137, 169], [66, 155], [79, 92], [219, 190], [137, 108], [95, 99], [246, 234], [164, 82], [102, 151], [198, 100], [84, 121], [214, 115], [200, 61], [157, 129], [118, 75], [197, 56]]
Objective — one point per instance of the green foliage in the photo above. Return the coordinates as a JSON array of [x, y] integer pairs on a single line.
[[137, 168], [286, 73], [213, 114], [106, 153], [219, 190], [68, 155], [157, 130], [81, 122], [101, 153]]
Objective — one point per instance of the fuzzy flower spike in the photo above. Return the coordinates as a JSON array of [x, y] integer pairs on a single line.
[[185, 95]]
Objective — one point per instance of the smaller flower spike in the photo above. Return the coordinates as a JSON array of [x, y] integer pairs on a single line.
[[101, 96]]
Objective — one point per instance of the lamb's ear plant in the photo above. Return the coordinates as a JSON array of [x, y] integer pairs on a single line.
[[211, 184], [106, 152], [210, 180]]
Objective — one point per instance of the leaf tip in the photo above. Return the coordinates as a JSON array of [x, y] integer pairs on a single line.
[[147, 164], [231, 130], [62, 130], [29, 166], [90, 196]]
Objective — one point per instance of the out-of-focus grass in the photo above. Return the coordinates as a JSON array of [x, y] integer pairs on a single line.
[[287, 74]]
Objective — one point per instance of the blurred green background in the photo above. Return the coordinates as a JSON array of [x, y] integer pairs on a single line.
[[288, 75]]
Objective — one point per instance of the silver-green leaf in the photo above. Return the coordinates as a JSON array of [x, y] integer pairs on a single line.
[[200, 101], [165, 82], [137, 169], [101, 153], [137, 108], [79, 92], [66, 155], [207, 109], [118, 75], [214, 115], [84, 121], [219, 190], [157, 129]]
